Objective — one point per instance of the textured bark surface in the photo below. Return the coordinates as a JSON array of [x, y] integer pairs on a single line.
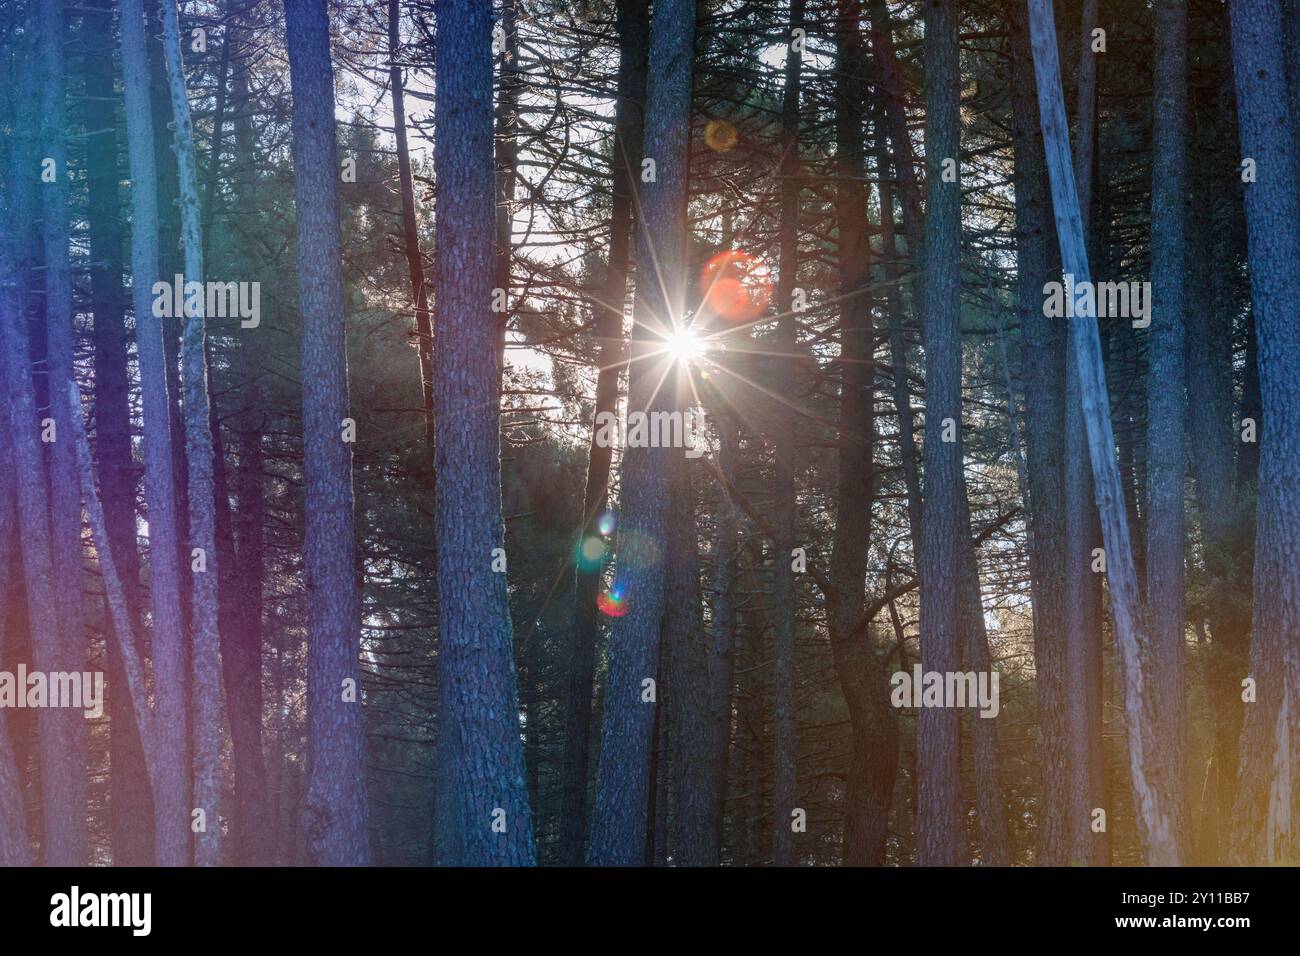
[[1272, 210], [171, 813], [205, 640], [336, 813], [619, 823], [693, 835], [1166, 461], [1086, 345], [63, 772], [940, 836], [480, 754], [633, 23], [873, 723], [130, 798], [785, 737]]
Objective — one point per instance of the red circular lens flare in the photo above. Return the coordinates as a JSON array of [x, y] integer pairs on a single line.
[[737, 286], [612, 605]]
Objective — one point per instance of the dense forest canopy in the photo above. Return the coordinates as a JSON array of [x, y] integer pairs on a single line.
[[616, 432]]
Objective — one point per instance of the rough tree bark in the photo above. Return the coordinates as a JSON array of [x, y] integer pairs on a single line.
[[1166, 460], [785, 737], [63, 771], [336, 813], [940, 835], [171, 794], [480, 754], [633, 24], [619, 820], [1266, 792]]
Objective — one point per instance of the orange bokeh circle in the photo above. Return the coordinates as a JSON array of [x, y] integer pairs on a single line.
[[736, 285]]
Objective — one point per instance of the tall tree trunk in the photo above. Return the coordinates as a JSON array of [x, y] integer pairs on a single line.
[[1166, 617], [873, 723], [991, 813], [693, 834], [336, 812], [481, 756], [15, 848], [171, 795], [205, 646], [722, 629], [507, 160], [1225, 527], [619, 823], [1070, 838], [939, 826], [785, 736], [1266, 798], [410, 229], [1153, 814], [633, 23], [130, 800], [63, 772]]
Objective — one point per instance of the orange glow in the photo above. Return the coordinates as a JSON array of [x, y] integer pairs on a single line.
[[736, 285], [720, 136]]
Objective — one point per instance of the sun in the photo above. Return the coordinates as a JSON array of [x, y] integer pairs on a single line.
[[684, 344]]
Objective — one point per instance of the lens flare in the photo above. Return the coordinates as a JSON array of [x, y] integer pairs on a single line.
[[590, 552], [605, 523], [720, 136], [612, 603], [736, 285]]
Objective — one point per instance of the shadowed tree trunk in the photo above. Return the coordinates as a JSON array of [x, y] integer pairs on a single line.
[[335, 816], [633, 34], [171, 794], [619, 821], [873, 723], [1152, 813], [130, 800], [410, 229], [63, 771], [938, 822], [785, 726], [1079, 682], [1266, 791], [1166, 617], [205, 640], [486, 808]]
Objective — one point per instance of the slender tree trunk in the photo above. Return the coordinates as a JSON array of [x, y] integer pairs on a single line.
[[722, 629], [1166, 617], [410, 229], [619, 823], [633, 23], [1225, 527], [873, 723], [171, 795], [205, 646], [507, 160], [130, 800], [15, 848], [1079, 682], [693, 835], [481, 756], [786, 737], [1265, 796], [335, 815], [1153, 815], [938, 824], [63, 772]]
